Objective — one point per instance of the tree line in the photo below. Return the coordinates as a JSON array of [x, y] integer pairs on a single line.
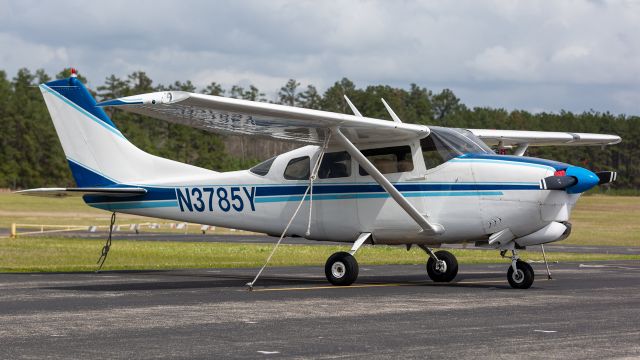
[[31, 155]]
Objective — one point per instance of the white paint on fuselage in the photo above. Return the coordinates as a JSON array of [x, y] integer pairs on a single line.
[[472, 216]]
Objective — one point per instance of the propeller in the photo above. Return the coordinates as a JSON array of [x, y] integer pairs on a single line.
[[576, 180]]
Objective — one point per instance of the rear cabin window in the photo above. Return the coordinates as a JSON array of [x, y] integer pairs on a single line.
[[297, 169], [335, 165], [389, 160], [263, 168]]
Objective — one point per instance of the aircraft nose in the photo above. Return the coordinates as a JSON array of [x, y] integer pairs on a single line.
[[586, 179]]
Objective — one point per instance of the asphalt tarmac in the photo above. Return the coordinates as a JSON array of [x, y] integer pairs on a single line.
[[588, 310]]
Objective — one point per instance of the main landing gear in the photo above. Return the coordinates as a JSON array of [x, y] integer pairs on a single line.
[[342, 268], [442, 266], [520, 274]]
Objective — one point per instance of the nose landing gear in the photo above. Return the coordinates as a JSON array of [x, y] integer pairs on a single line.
[[520, 274]]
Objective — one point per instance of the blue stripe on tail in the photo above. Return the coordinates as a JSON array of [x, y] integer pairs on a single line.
[[75, 91], [85, 177]]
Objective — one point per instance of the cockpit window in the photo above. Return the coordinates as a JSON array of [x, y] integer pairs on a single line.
[[297, 169], [443, 144], [263, 168]]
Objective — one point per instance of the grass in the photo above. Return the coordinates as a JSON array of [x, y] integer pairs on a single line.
[[65, 255], [597, 220], [606, 220]]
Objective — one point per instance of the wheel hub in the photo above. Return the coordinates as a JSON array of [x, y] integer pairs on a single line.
[[518, 276], [441, 266], [338, 269]]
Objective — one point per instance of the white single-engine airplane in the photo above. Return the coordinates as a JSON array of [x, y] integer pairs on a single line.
[[361, 180]]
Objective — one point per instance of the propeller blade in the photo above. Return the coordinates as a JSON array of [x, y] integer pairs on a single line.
[[557, 182], [606, 177]]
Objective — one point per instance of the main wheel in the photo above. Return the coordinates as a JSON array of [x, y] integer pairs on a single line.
[[341, 269], [522, 278], [443, 270]]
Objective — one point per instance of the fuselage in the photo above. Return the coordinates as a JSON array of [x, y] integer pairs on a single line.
[[471, 195]]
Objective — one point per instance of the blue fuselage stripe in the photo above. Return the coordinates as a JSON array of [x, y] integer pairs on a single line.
[[376, 196], [340, 189], [331, 192]]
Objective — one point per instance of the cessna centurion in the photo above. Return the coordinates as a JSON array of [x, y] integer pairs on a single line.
[[361, 180]]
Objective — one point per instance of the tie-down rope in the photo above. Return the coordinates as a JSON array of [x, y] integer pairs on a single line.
[[309, 191]]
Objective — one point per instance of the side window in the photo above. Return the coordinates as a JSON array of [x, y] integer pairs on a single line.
[[297, 169], [335, 165], [389, 160], [263, 168]]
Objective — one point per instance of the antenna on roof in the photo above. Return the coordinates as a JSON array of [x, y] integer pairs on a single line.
[[390, 111], [353, 107]]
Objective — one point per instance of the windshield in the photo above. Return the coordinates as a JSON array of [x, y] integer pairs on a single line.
[[443, 144], [460, 140]]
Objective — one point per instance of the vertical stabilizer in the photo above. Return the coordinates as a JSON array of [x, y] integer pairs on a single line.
[[97, 152]]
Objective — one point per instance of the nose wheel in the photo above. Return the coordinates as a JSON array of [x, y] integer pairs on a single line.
[[520, 274]]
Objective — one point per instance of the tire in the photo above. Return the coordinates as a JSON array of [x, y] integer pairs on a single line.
[[341, 269], [523, 279], [442, 275]]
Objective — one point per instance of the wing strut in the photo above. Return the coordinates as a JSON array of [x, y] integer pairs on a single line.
[[521, 149], [435, 229]]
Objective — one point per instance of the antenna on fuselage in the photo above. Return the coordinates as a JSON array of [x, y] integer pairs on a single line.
[[353, 107], [391, 112]]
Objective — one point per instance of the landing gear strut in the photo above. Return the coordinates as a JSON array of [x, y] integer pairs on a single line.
[[442, 266], [520, 274]]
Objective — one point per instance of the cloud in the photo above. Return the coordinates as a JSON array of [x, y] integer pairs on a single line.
[[498, 63], [30, 55], [482, 50]]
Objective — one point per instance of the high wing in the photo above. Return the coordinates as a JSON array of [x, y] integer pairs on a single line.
[[242, 117], [509, 138]]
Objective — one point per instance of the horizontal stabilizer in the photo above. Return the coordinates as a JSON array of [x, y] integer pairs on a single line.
[[65, 192]]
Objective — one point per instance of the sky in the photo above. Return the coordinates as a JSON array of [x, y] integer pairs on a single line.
[[531, 55]]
